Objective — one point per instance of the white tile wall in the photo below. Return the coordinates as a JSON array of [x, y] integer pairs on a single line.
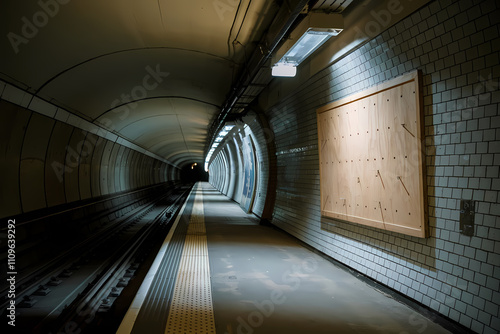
[[456, 45]]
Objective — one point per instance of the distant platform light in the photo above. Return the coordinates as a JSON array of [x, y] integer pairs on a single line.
[[220, 136]]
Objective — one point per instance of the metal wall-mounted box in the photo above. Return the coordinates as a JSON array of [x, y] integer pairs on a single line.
[[467, 211]]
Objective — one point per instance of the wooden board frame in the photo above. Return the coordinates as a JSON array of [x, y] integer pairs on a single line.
[[371, 156]]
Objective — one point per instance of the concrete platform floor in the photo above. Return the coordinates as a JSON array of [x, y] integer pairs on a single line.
[[265, 281]]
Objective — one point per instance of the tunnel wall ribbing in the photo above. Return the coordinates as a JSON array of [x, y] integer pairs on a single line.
[[455, 44], [227, 166], [46, 162]]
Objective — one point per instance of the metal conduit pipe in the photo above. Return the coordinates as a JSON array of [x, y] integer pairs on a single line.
[[287, 14]]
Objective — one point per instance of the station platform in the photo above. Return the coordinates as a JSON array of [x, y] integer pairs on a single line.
[[219, 271]]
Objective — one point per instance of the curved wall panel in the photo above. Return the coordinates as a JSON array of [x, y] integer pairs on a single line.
[[55, 166], [124, 170], [13, 121], [160, 172], [138, 168], [149, 166], [119, 166], [212, 174], [231, 170], [140, 175], [32, 167], [85, 167], [238, 167], [222, 172], [141, 178], [156, 172], [104, 167], [113, 168], [95, 168], [263, 137], [45, 162], [135, 177], [133, 158], [216, 173], [226, 170], [73, 157]]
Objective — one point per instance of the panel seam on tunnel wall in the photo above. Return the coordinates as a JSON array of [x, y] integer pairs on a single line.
[[85, 140], [45, 167], [65, 175], [20, 160], [75, 120], [78, 170], [98, 170]]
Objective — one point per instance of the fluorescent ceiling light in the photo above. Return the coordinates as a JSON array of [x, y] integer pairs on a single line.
[[312, 32], [309, 42], [220, 136], [284, 70]]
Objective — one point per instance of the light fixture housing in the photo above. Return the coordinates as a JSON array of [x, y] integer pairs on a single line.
[[311, 33], [284, 70]]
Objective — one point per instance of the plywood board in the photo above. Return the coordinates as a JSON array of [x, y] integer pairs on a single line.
[[371, 158]]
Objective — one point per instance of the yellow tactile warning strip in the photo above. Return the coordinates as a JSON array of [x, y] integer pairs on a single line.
[[191, 310]]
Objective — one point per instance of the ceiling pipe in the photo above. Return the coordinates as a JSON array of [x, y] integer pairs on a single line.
[[287, 14]]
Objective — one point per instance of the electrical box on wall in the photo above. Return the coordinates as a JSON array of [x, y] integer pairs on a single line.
[[467, 211]]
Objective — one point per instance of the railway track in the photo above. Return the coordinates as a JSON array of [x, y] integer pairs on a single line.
[[66, 293]]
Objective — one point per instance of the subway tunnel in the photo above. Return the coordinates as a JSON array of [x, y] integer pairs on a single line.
[[377, 161]]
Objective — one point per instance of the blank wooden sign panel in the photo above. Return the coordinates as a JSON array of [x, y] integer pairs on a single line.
[[371, 161]]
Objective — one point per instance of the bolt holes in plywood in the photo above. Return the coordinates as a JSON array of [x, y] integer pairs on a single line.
[[387, 121]]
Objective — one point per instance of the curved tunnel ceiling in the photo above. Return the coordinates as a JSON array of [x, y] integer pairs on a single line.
[[154, 72]]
